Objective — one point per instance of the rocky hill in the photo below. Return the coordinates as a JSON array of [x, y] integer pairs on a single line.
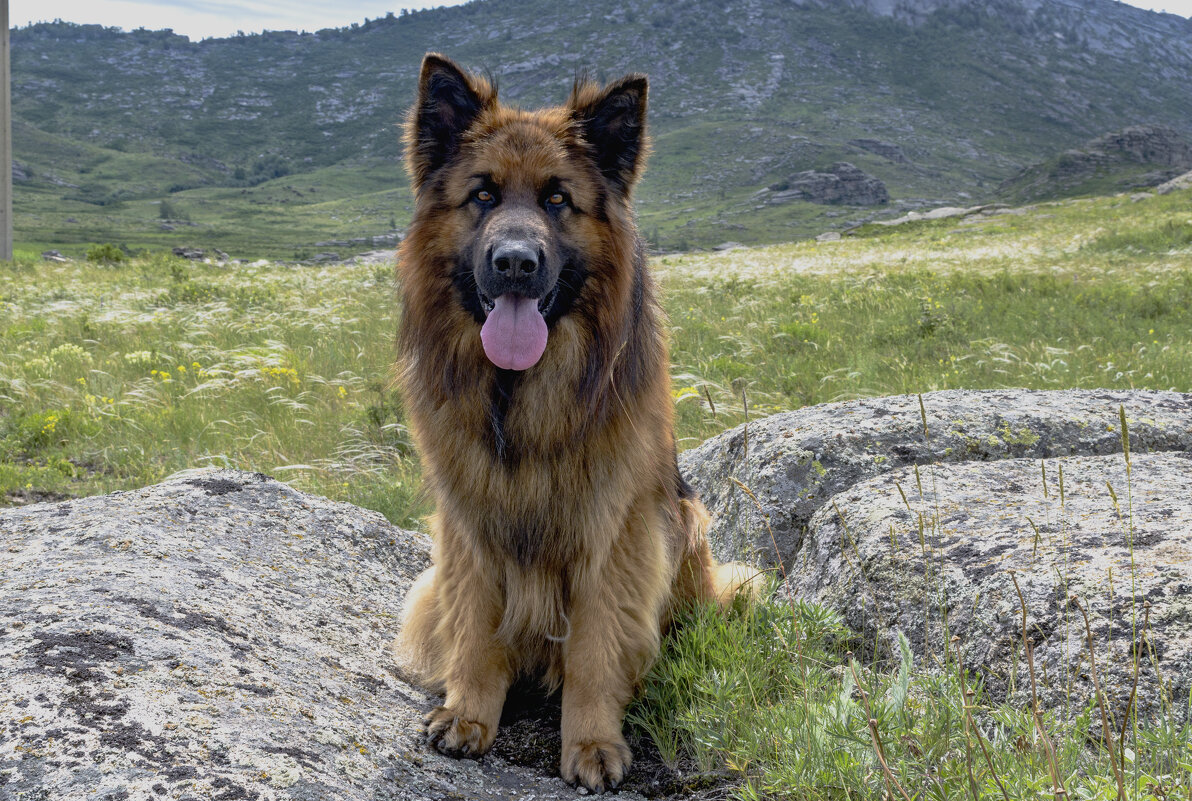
[[937, 99], [1134, 157]]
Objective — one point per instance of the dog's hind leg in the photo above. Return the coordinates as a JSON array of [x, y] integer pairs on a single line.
[[417, 651], [700, 577]]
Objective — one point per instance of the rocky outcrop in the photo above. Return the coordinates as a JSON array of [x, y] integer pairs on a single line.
[[222, 635], [1143, 144], [908, 517], [840, 184], [943, 562], [795, 462], [1175, 184], [1134, 157]]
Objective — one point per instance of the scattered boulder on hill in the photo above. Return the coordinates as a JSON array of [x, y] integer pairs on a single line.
[[1135, 157], [897, 526], [1144, 144], [198, 254], [841, 184], [1175, 184], [221, 635], [947, 212]]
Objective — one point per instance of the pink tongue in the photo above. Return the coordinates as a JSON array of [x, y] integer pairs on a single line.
[[514, 335]]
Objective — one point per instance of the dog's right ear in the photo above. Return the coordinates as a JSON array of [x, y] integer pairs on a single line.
[[449, 100]]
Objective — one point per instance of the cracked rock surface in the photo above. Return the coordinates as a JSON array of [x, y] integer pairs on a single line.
[[794, 462], [223, 636], [905, 529], [939, 564]]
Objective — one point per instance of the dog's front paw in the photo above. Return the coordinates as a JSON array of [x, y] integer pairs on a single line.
[[454, 736], [599, 766]]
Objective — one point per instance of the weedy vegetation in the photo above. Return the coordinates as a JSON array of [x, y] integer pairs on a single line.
[[117, 371]]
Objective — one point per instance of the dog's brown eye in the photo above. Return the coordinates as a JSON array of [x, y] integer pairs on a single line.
[[557, 199], [484, 196]]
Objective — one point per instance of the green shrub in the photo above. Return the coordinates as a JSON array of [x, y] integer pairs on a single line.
[[106, 253]]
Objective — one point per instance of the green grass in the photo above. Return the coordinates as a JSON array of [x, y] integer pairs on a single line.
[[113, 376], [282, 218], [1049, 299], [295, 361], [773, 693]]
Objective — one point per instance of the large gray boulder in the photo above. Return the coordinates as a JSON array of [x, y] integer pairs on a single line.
[[841, 184], [224, 636], [902, 527], [943, 562], [794, 462]]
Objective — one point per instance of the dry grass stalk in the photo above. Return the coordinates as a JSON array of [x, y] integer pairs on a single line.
[[1057, 785], [971, 724], [891, 779], [1105, 733]]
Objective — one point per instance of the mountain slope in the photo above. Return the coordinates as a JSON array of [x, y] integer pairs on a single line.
[[743, 94]]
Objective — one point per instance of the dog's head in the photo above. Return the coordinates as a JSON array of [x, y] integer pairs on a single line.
[[522, 202]]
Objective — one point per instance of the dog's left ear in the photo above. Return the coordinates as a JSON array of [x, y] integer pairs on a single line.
[[613, 123]]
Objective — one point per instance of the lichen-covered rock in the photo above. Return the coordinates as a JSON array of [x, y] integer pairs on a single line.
[[219, 635], [930, 553], [841, 184], [795, 462]]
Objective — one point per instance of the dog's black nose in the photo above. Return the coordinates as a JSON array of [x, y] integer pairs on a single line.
[[515, 259]]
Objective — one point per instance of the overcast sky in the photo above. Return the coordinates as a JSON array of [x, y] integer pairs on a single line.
[[202, 18]]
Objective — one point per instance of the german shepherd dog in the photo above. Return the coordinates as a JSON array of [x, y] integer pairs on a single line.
[[534, 368]]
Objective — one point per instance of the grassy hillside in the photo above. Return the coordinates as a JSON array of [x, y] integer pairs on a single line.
[[113, 376], [111, 124]]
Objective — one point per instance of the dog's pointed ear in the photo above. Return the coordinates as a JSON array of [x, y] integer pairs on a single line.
[[449, 100], [613, 123]]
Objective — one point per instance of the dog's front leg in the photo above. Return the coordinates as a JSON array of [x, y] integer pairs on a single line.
[[477, 670], [614, 638]]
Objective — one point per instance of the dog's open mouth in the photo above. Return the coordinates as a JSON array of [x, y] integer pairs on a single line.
[[544, 303], [514, 331]]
